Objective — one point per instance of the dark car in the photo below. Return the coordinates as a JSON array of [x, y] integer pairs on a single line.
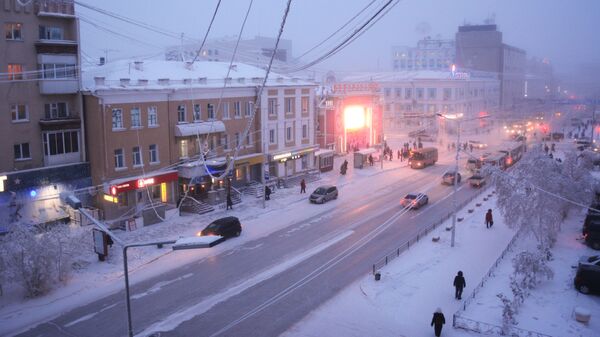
[[414, 201], [448, 178], [591, 230], [227, 227], [587, 279], [323, 194]]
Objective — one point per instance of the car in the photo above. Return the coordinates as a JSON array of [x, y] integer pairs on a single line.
[[323, 194], [587, 278], [414, 201], [474, 164], [448, 178], [591, 230], [476, 180], [228, 227], [477, 144]]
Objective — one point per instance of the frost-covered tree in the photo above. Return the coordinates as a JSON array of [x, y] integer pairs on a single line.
[[508, 313], [529, 271]]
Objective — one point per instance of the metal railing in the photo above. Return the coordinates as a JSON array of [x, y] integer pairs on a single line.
[[491, 329], [422, 233]]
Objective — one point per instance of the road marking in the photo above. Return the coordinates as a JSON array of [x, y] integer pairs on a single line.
[[437, 202], [86, 317], [159, 285], [174, 320]]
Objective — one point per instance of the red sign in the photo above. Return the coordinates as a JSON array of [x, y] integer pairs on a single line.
[[143, 182]]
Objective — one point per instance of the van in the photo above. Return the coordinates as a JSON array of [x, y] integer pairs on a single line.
[[420, 158]]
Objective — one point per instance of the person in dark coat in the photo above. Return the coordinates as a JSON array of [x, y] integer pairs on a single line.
[[303, 186], [459, 284], [438, 321], [399, 155], [229, 201], [267, 193], [489, 220]]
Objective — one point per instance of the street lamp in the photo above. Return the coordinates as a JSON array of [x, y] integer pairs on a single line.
[[180, 244], [457, 118]]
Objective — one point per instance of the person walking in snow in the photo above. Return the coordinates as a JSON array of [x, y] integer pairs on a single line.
[[438, 321], [303, 186], [267, 193], [229, 201], [459, 284], [489, 220]]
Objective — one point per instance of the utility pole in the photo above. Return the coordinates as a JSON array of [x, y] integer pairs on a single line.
[[455, 183]]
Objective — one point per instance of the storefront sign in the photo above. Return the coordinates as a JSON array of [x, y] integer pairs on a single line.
[[143, 182], [2, 182], [110, 198], [294, 154], [355, 87], [461, 76]]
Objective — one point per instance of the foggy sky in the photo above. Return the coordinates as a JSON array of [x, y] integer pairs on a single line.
[[565, 31]]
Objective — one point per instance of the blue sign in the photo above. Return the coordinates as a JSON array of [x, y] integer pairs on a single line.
[[267, 175]]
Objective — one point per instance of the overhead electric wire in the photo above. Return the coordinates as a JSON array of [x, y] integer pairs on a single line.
[[208, 30]]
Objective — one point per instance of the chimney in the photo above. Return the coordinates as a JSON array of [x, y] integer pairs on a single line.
[[241, 80], [187, 81], [99, 81], [257, 79], [202, 80], [142, 82], [102, 61], [233, 67], [189, 65], [124, 81], [138, 65], [279, 79], [163, 81], [227, 80]]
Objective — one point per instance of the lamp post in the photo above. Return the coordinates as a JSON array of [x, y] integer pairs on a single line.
[[458, 119], [180, 244]]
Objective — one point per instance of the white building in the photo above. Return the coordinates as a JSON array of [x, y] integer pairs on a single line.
[[411, 99], [429, 54]]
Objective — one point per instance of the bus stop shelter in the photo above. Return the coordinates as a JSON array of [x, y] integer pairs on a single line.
[[361, 158]]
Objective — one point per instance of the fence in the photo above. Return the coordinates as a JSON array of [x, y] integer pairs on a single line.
[[394, 254]]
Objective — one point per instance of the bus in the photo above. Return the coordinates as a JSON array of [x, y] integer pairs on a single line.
[[420, 158], [513, 151], [498, 160]]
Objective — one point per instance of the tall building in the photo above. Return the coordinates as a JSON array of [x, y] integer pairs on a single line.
[[429, 54], [42, 140], [539, 79], [159, 130], [480, 47]]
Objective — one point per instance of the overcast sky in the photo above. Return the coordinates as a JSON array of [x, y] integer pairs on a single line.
[[565, 31]]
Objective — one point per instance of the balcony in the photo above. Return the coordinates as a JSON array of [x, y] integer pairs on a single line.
[[55, 8], [56, 86], [60, 123]]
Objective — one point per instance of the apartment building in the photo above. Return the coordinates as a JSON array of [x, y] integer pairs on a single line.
[[160, 128], [429, 54], [42, 148]]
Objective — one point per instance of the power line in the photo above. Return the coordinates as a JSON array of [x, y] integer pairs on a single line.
[[209, 27]]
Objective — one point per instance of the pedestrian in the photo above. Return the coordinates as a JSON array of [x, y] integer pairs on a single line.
[[438, 321], [229, 201], [546, 148], [471, 147], [267, 193], [489, 220], [303, 186], [552, 147], [414, 145], [399, 155], [459, 284]]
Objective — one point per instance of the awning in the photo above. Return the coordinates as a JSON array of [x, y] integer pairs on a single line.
[[193, 129], [366, 151], [324, 153], [249, 159]]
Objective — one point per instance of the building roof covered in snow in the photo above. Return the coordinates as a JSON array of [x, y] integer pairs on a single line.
[[160, 75], [402, 76]]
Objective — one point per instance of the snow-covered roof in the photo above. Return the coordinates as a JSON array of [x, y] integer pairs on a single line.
[[398, 76], [159, 74], [192, 129]]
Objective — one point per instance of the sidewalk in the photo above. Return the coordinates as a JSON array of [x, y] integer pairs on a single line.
[[415, 284]]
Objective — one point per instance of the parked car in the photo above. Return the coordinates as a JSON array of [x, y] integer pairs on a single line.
[[477, 144], [414, 201], [587, 279], [229, 226], [477, 180], [591, 230], [323, 194], [448, 178]]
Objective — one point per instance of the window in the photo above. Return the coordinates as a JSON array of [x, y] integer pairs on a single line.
[[15, 71], [181, 113], [22, 151], [197, 113], [237, 139], [237, 111], [51, 33], [12, 31], [386, 107], [117, 119], [289, 105], [431, 93], [56, 110], [387, 92], [420, 93], [119, 159], [272, 106], [19, 112], [183, 148], [153, 154], [304, 104], [61, 142], [136, 121], [272, 136], [408, 93], [137, 156], [225, 141], [225, 110], [249, 139], [210, 108], [288, 133], [249, 108], [304, 131], [398, 92], [51, 70], [152, 116], [447, 94]]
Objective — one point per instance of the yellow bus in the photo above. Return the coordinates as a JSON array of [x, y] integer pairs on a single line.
[[420, 158]]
